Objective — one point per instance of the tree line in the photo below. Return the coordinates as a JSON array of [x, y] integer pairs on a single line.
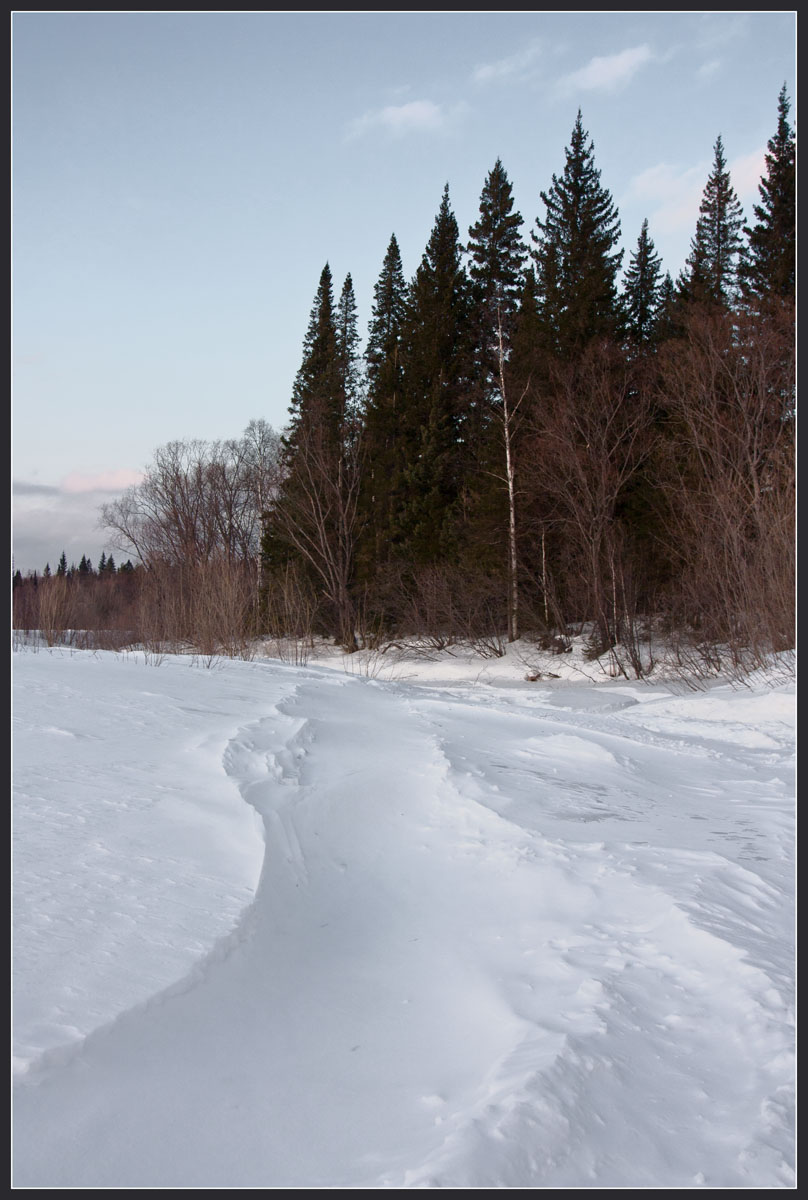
[[529, 441]]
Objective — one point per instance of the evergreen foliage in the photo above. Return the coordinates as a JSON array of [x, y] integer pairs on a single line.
[[312, 518], [497, 257], [347, 353], [496, 269], [769, 268], [710, 274], [317, 390], [576, 263], [667, 319], [437, 370], [383, 415], [642, 290]]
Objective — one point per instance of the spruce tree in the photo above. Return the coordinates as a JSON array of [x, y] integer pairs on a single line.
[[62, 567], [496, 268], [641, 296], [437, 368], [576, 263], [312, 518], [526, 350], [317, 384], [382, 355], [710, 274], [348, 360], [667, 321], [382, 413], [769, 268]]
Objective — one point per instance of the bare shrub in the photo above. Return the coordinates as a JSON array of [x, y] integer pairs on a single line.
[[315, 514], [730, 483], [162, 611], [25, 604], [290, 610], [55, 608], [430, 609], [221, 614], [589, 438]]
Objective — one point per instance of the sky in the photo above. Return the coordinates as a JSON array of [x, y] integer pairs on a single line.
[[181, 179], [282, 926]]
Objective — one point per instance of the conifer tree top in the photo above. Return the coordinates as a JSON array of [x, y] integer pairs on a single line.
[[642, 288], [495, 245], [770, 267], [711, 268], [574, 250]]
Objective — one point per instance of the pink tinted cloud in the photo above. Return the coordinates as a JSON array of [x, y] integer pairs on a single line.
[[105, 481]]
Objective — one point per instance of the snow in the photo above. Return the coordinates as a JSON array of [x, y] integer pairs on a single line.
[[399, 922]]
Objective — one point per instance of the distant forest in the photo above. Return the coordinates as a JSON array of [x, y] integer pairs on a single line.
[[537, 438]]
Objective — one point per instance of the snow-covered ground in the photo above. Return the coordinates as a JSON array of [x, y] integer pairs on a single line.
[[408, 924]]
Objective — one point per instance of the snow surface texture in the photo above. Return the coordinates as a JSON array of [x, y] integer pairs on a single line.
[[280, 926]]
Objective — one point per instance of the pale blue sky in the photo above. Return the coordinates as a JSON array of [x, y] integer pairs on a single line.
[[180, 179]]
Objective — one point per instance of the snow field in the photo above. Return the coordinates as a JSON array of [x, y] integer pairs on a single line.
[[509, 937]]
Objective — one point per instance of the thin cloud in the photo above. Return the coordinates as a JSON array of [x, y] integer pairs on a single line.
[[22, 487], [608, 73], [708, 69], [717, 29], [672, 194], [48, 520], [746, 173], [106, 481], [398, 120], [516, 66]]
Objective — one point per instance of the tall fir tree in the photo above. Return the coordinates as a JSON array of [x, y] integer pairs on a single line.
[[710, 273], [437, 368], [496, 269], [769, 267], [667, 323], [497, 255], [383, 353], [642, 288], [526, 348], [316, 389], [313, 515], [383, 412], [574, 252], [348, 359]]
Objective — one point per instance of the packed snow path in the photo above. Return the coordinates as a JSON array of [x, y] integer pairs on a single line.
[[500, 938]]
